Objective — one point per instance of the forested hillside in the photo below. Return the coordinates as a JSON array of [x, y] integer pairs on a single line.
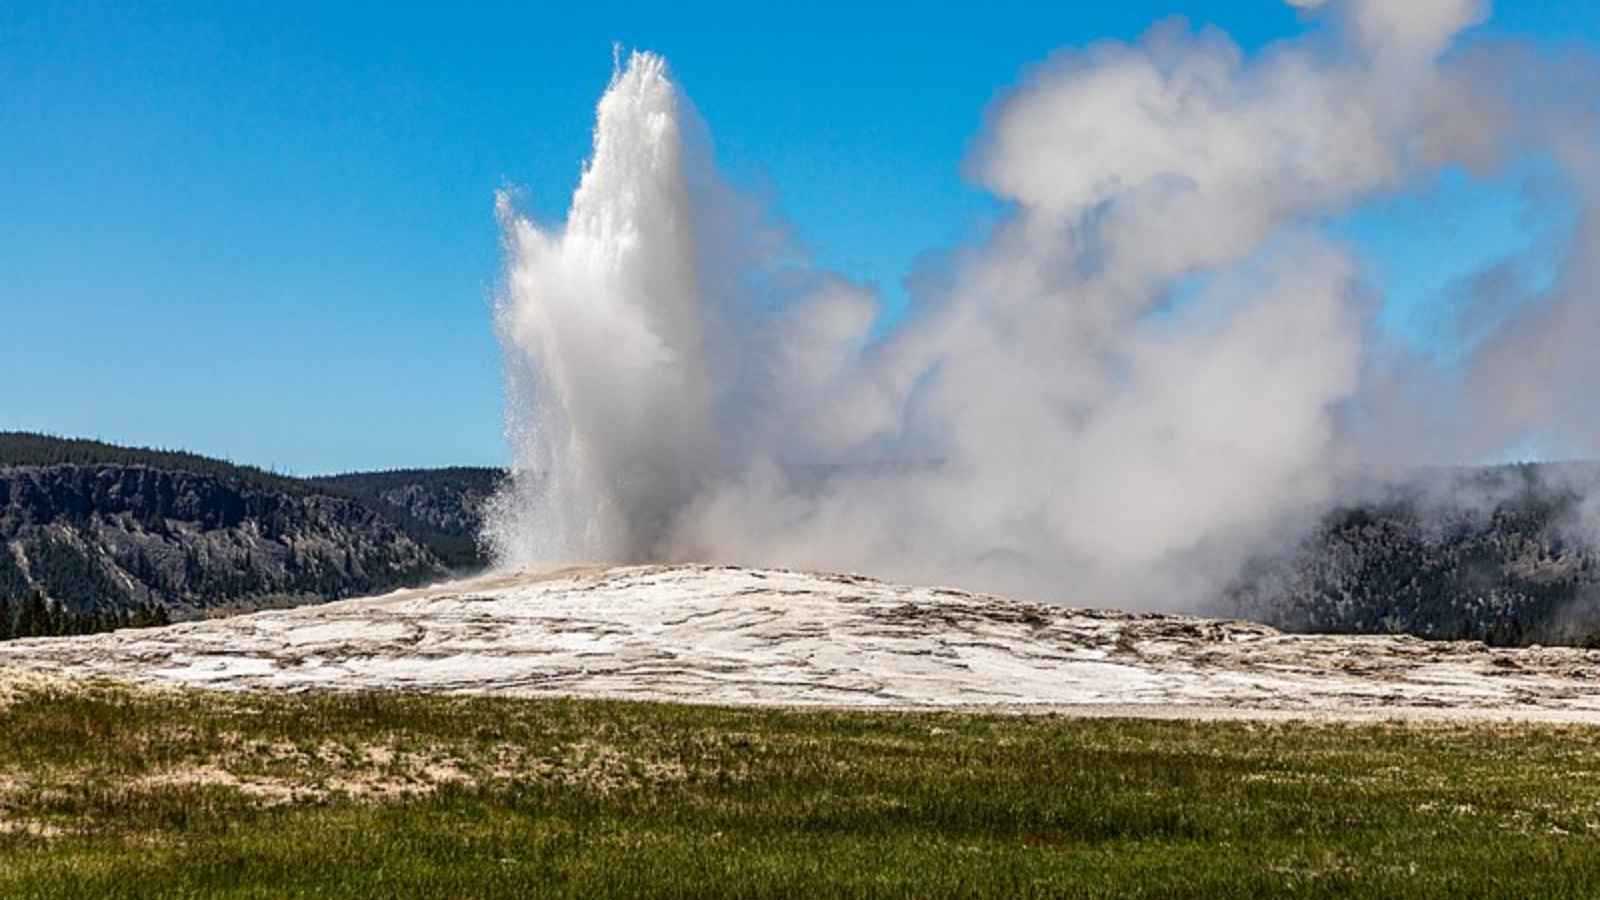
[[95, 536], [442, 508], [21, 448], [1506, 555]]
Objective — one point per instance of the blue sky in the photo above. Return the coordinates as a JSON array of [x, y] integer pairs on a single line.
[[266, 231]]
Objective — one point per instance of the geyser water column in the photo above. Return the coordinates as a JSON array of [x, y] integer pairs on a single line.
[[608, 397], [1048, 420]]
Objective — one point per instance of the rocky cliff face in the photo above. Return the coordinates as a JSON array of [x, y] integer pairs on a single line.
[[443, 508], [95, 538], [455, 510]]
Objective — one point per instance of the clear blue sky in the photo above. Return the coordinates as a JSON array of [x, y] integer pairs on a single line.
[[265, 231]]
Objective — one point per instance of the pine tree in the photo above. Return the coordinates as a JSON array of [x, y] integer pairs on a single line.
[[33, 619]]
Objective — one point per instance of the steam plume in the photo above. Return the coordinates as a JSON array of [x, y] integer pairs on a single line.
[[1152, 368]]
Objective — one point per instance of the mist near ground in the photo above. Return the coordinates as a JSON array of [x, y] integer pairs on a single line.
[[1156, 367]]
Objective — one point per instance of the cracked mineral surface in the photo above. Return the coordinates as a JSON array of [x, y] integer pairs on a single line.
[[746, 636]]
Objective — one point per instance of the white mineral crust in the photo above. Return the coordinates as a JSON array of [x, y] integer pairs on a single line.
[[746, 636]]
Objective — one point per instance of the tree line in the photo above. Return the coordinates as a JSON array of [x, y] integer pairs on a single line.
[[33, 615], [22, 448]]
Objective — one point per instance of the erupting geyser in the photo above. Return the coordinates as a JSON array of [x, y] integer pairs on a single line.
[[610, 396], [1157, 365]]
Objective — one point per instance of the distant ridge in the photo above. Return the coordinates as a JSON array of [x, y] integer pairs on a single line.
[[24, 448], [96, 535]]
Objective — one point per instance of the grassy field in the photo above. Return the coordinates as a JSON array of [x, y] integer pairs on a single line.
[[112, 792]]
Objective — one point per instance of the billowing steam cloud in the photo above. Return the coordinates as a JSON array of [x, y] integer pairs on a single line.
[[1157, 364]]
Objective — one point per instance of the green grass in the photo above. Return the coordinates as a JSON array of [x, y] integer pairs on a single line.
[[112, 792]]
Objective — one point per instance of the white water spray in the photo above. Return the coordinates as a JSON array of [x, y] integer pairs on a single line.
[[609, 396], [1044, 423]]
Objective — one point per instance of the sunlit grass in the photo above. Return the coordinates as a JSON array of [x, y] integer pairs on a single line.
[[107, 791]]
